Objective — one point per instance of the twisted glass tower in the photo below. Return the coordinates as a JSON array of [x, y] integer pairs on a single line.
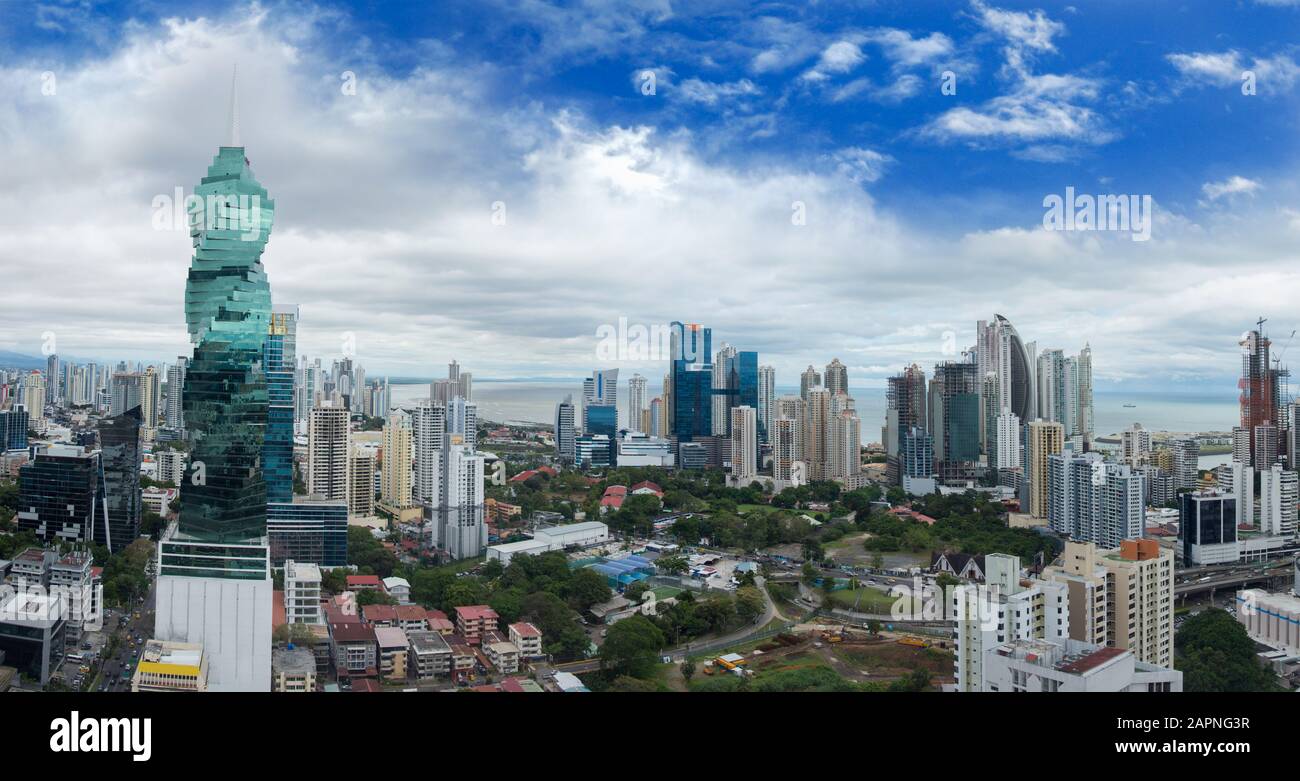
[[228, 311], [214, 570]]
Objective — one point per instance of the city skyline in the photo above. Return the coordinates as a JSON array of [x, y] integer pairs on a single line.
[[887, 209]]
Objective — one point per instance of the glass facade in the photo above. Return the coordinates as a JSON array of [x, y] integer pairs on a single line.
[[747, 387], [603, 419], [13, 428], [277, 449], [61, 494], [692, 377], [119, 440], [228, 313], [308, 531]]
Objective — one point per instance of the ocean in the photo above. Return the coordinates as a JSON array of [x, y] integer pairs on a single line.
[[534, 402]]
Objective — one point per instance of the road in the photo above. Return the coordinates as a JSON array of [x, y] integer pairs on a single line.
[[130, 628]]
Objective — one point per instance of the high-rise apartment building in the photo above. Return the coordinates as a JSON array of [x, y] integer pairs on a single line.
[[1043, 439], [395, 483], [564, 431], [836, 377], [744, 444], [328, 445], [361, 483], [1278, 495], [766, 402], [808, 380], [637, 404], [1092, 501]]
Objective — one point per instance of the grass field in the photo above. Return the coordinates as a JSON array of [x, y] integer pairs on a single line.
[[664, 592], [868, 600]]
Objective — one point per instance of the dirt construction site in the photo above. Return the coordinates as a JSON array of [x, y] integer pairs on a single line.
[[855, 654]]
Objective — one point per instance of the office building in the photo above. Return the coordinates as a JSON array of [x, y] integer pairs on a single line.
[[214, 576], [308, 531], [61, 495], [279, 364], [119, 439], [1208, 527], [690, 390]]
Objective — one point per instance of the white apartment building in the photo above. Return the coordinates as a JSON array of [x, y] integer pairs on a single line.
[[744, 444], [328, 440], [302, 593], [1004, 609], [1278, 494], [1065, 665]]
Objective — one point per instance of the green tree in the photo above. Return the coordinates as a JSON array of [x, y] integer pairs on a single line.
[[1216, 655], [632, 647], [585, 588], [749, 604], [688, 670], [672, 565]]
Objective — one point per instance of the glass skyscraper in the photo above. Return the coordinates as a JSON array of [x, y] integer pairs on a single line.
[[279, 361], [692, 378], [228, 312], [119, 441]]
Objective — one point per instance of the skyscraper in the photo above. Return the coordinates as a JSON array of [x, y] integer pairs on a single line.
[[328, 446], [119, 441], [837, 377], [395, 479], [1258, 385], [637, 404], [429, 431], [279, 362], [1043, 439], [905, 397], [744, 444], [808, 380], [955, 419], [214, 582], [766, 401], [724, 389], [691, 390], [175, 391], [564, 431]]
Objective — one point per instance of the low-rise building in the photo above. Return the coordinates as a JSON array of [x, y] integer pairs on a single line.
[[430, 655], [393, 646], [399, 589], [302, 593], [504, 656], [528, 639], [293, 669], [355, 654], [171, 667], [473, 620], [1065, 665]]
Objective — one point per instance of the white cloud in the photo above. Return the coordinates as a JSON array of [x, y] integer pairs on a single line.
[[1229, 69], [839, 57], [1233, 185], [383, 205], [711, 94]]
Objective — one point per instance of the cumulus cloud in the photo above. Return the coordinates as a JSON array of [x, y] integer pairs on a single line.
[[384, 202], [1233, 185], [1230, 68]]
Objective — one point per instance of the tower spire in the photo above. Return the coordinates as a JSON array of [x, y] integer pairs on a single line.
[[234, 106]]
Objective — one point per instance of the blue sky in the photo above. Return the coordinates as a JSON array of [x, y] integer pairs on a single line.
[[924, 209]]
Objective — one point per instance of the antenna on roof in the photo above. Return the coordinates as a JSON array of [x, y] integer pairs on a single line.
[[234, 106]]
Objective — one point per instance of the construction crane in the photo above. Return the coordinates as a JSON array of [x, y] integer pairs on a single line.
[[1284, 377]]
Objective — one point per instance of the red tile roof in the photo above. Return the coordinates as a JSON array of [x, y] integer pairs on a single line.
[[525, 629], [476, 613], [365, 580], [649, 485], [375, 613]]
